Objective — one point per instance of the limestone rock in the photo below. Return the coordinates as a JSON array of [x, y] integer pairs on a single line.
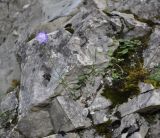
[[61, 80], [43, 62], [99, 103], [131, 28], [67, 115], [151, 54], [143, 9], [25, 16], [101, 4], [9, 102], [145, 87], [90, 133], [8, 113], [154, 124], [131, 126], [60, 55], [35, 124], [66, 135], [142, 103]]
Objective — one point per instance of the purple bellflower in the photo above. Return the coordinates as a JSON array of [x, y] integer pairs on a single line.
[[42, 37]]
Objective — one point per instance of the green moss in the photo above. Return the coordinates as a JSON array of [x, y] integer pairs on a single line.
[[127, 67], [150, 118], [103, 129], [134, 76]]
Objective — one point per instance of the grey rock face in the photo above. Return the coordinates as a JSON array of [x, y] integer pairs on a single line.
[[131, 28], [131, 126], [42, 62], [67, 115], [142, 103], [148, 10], [35, 124], [24, 17], [145, 87], [61, 80], [14, 134], [60, 55], [10, 102], [67, 135], [154, 126], [101, 4], [8, 113], [61, 8], [90, 133], [151, 54]]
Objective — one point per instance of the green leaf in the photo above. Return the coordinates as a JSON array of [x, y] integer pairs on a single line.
[[110, 52], [123, 52]]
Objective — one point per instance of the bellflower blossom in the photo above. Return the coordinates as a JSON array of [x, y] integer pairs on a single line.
[[42, 37]]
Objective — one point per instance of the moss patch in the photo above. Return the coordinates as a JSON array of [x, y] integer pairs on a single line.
[[104, 129], [126, 70]]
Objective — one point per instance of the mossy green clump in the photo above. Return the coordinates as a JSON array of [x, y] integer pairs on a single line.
[[103, 129], [126, 70], [135, 75]]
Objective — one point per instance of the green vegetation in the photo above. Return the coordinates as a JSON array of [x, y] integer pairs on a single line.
[[84, 77], [126, 70], [150, 118], [87, 75], [103, 129]]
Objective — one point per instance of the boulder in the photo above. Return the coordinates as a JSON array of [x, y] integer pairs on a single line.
[[151, 54], [35, 124], [9, 102], [144, 102], [143, 9], [63, 53], [65, 135], [132, 126], [67, 115], [145, 87], [26, 18], [131, 28]]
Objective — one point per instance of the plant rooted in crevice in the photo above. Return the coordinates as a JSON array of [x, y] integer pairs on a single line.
[[126, 70]]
